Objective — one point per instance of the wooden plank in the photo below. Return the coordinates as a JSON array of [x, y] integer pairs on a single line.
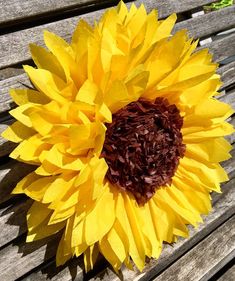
[[14, 82], [214, 48], [14, 12], [19, 258], [10, 71], [223, 208], [206, 258], [167, 7], [222, 48], [229, 97], [17, 51], [73, 271], [231, 138], [210, 23], [227, 73]]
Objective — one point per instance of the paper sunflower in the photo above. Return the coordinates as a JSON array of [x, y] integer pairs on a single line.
[[126, 136]]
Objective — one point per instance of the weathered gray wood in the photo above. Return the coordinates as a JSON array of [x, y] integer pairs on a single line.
[[19, 258], [210, 23], [74, 271], [17, 51], [229, 97], [14, 82], [14, 11], [206, 258], [223, 208], [222, 48], [229, 275], [168, 7], [10, 72], [231, 138], [227, 73]]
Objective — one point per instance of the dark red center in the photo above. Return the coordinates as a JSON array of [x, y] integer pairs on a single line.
[[142, 147]]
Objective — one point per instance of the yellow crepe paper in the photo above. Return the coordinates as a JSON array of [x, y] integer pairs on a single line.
[[61, 128]]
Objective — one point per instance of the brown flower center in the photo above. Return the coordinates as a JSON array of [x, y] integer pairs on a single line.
[[142, 147]]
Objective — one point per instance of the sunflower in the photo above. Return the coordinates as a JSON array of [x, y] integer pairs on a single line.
[[126, 136]]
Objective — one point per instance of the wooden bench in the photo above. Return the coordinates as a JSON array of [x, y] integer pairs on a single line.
[[209, 252]]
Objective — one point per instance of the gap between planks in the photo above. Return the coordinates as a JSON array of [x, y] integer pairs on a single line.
[[17, 14]]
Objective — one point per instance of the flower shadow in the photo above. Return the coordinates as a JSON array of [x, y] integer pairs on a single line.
[[11, 173], [40, 254]]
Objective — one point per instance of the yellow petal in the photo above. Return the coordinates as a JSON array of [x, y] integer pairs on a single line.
[[212, 150], [65, 55], [17, 132], [23, 96], [90, 257], [46, 82], [21, 113], [100, 220], [165, 28], [46, 60]]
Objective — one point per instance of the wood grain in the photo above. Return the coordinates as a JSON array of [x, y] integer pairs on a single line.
[[206, 258], [15, 11], [221, 48], [210, 23], [229, 97], [17, 51], [19, 258], [227, 73]]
